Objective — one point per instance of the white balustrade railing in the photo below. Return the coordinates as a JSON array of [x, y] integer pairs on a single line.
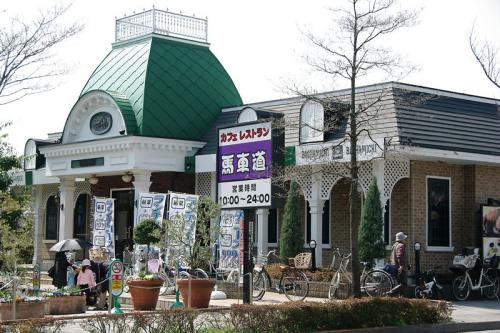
[[161, 22]]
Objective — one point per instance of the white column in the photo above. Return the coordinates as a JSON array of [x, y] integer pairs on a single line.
[[378, 169], [316, 204], [142, 182], [316, 211], [37, 196], [66, 212], [262, 227]]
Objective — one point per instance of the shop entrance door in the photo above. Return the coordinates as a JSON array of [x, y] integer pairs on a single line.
[[124, 219]]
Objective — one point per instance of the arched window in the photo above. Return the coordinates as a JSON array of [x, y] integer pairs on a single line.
[[247, 115], [52, 218], [311, 122], [80, 217]]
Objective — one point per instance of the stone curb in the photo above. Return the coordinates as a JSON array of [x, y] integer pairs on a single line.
[[441, 328]]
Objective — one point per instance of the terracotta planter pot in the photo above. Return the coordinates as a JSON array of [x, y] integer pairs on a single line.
[[201, 289], [145, 293], [24, 310], [65, 305]]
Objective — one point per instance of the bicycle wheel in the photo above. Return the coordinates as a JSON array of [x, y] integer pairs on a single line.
[[199, 273], [377, 283], [460, 288], [295, 284], [260, 284], [334, 285], [491, 292]]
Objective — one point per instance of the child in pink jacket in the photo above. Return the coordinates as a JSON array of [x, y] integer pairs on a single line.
[[86, 279]]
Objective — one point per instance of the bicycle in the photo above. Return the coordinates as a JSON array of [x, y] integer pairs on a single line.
[[374, 281], [488, 282], [293, 282], [428, 286]]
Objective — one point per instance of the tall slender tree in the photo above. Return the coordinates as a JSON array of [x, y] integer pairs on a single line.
[[371, 227], [291, 237], [352, 51]]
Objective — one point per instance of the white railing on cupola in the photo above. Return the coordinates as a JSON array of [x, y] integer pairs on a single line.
[[161, 22]]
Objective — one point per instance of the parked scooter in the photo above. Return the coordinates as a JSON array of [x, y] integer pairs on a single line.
[[428, 286]]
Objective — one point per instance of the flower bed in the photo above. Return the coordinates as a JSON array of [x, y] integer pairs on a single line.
[[64, 301], [24, 310]]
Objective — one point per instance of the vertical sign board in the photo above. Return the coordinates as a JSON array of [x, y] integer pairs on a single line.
[[151, 206], [491, 231], [36, 278], [116, 277], [229, 239], [103, 234], [244, 161], [182, 212], [244, 171]]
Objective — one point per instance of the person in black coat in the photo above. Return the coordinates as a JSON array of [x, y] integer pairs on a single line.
[[61, 265], [101, 273]]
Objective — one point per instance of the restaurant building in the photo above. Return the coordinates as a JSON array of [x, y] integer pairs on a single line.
[[147, 121]]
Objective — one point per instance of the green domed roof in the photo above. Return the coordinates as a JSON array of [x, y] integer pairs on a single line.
[[175, 89]]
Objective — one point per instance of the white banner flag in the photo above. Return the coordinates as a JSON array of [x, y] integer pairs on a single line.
[[103, 234], [151, 206], [229, 239]]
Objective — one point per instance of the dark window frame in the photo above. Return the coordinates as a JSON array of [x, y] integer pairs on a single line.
[[432, 240], [52, 200]]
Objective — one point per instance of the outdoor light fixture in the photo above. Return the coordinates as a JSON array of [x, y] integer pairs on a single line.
[[93, 180], [313, 244], [127, 178], [417, 246]]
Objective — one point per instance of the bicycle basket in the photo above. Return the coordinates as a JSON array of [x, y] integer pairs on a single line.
[[466, 261]]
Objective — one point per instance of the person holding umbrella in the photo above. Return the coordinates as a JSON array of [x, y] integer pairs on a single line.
[[59, 272], [61, 264]]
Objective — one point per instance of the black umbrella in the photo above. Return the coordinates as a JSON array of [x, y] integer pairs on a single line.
[[70, 245]]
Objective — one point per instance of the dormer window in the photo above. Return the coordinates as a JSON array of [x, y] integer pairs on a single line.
[[311, 122]]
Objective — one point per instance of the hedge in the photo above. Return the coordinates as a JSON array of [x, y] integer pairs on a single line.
[[288, 317]]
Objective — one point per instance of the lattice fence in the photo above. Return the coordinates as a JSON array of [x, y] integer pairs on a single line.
[[47, 191]]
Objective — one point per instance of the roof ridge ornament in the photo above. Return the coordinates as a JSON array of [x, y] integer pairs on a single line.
[[161, 22]]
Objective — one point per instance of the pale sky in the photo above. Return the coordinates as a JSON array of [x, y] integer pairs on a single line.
[[260, 45]]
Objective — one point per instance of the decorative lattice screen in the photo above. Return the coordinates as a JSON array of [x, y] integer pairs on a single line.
[[365, 175], [303, 176], [204, 183], [394, 170], [332, 173], [81, 187]]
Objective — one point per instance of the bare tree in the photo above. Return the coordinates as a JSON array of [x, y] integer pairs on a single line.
[[352, 52], [26, 53], [486, 55]]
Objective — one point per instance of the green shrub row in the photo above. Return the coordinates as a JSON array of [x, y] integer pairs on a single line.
[[288, 317]]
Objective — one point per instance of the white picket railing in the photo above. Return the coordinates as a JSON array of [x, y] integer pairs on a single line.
[[161, 22]]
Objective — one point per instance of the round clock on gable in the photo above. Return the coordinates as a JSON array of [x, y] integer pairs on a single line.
[[100, 123]]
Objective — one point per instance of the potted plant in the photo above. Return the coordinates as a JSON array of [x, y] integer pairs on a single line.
[[189, 238], [145, 287]]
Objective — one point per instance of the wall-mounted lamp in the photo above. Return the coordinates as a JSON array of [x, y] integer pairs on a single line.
[[127, 178], [62, 207], [417, 246], [93, 180], [312, 246]]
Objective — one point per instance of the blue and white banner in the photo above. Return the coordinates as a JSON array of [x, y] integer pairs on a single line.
[[151, 206], [182, 212], [229, 239], [103, 234]]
